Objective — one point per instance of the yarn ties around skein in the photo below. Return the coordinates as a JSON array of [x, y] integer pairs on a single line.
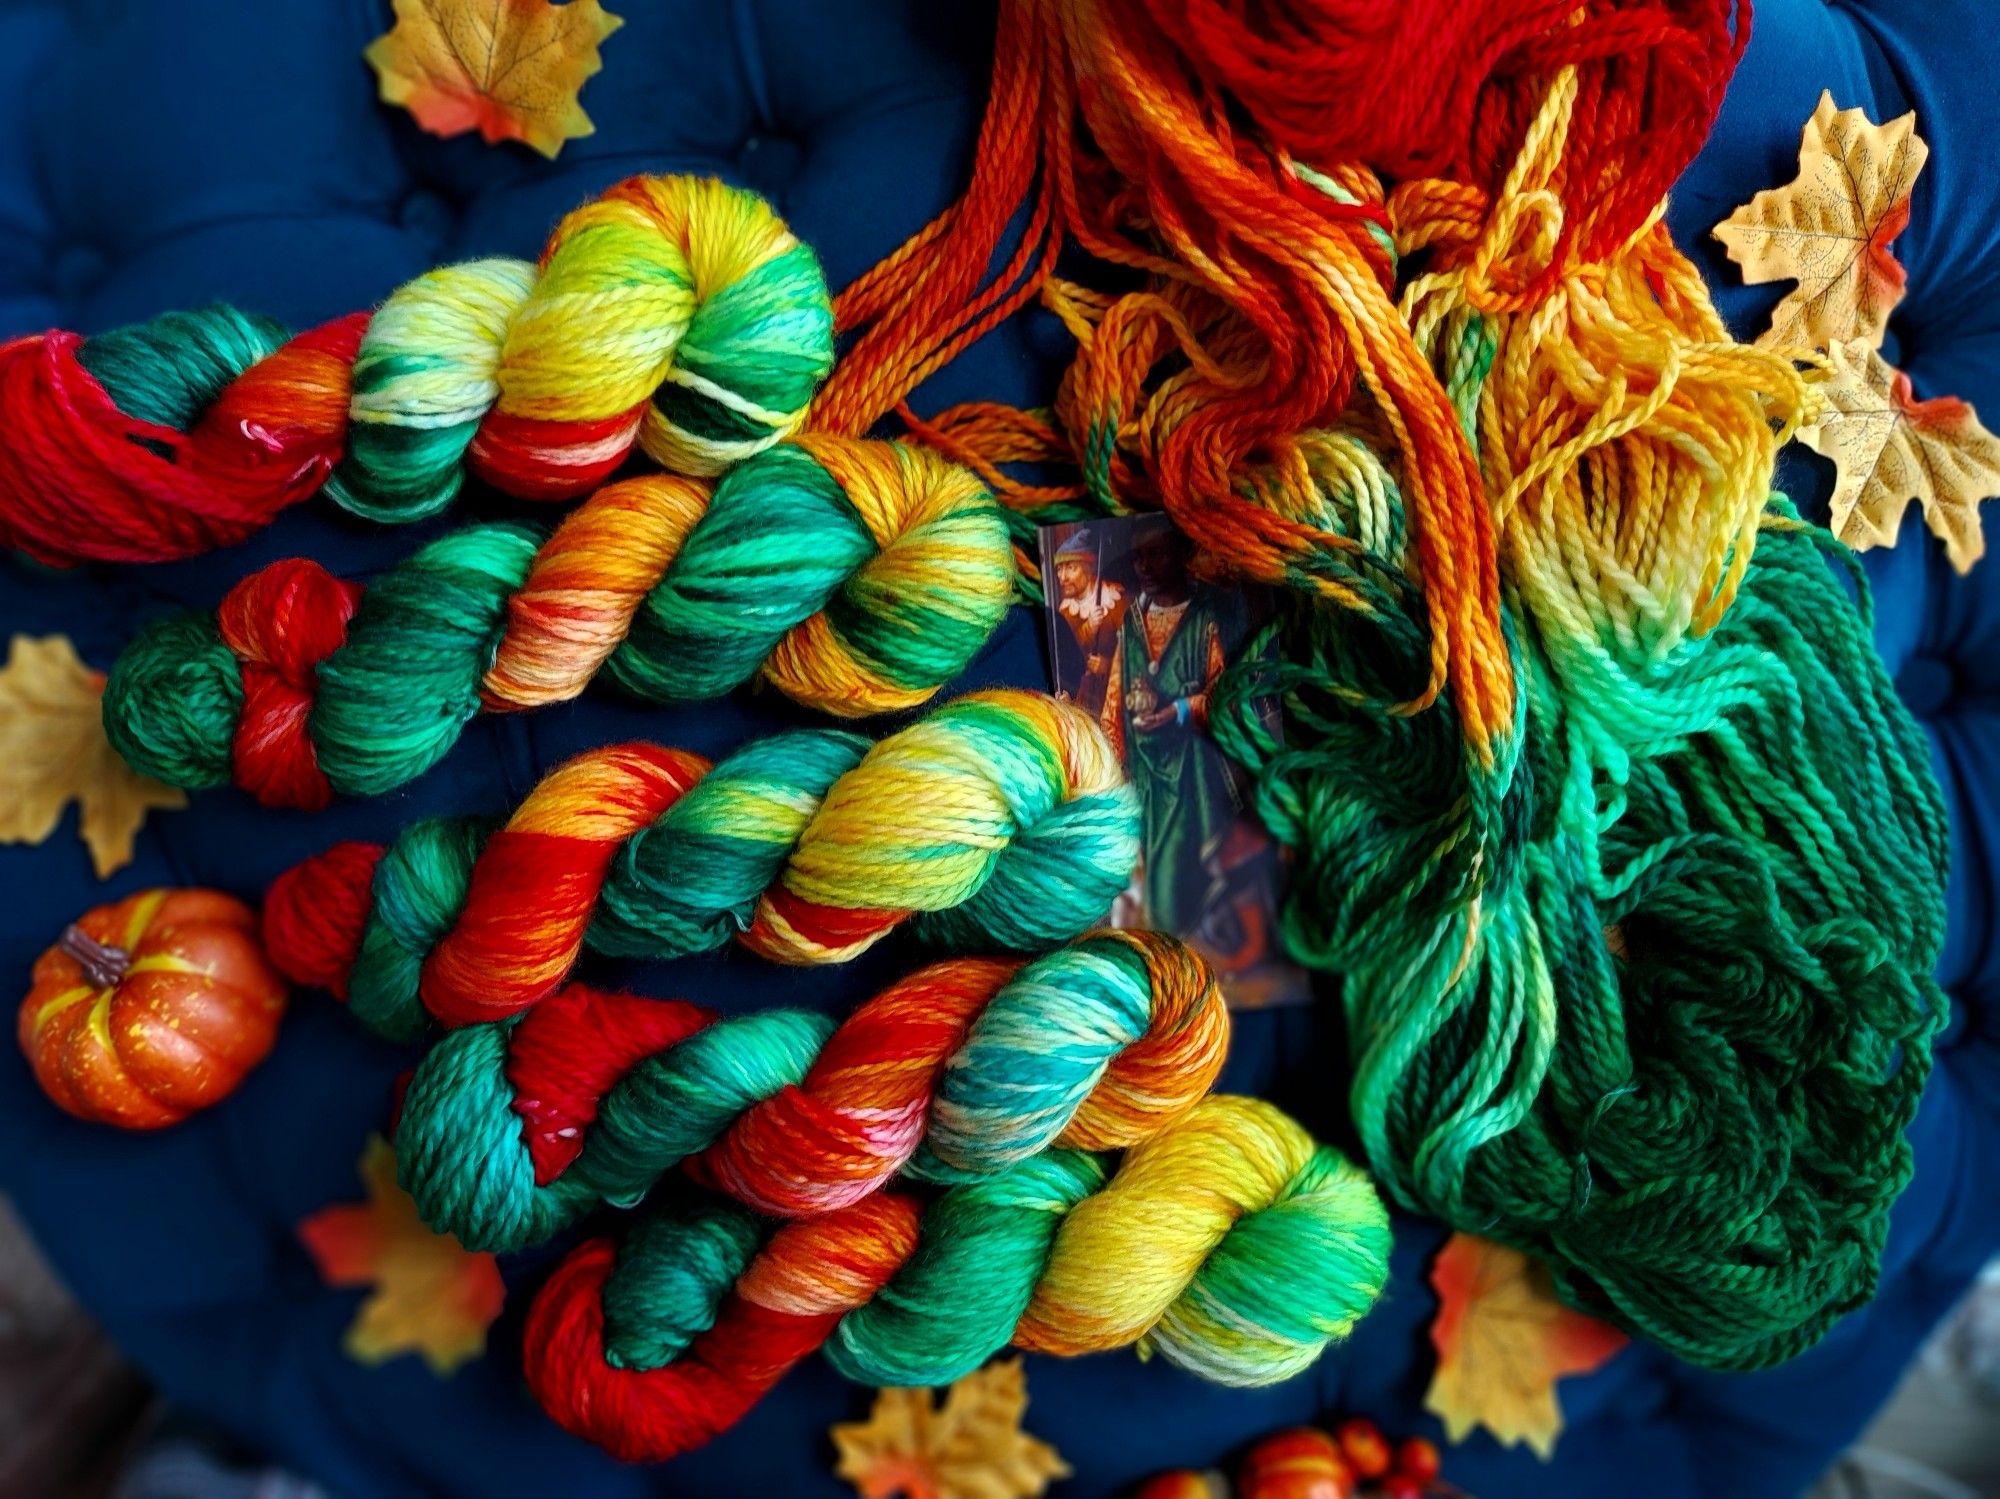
[[510, 1130], [1000, 821], [677, 314], [1229, 1243], [856, 576]]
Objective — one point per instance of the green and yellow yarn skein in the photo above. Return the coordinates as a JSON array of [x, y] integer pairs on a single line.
[[855, 576], [999, 821], [1230, 1243]]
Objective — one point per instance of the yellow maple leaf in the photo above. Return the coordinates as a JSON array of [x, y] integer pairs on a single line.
[[1830, 229], [53, 751], [512, 69], [1888, 448], [431, 1295], [970, 1448], [1503, 1340]]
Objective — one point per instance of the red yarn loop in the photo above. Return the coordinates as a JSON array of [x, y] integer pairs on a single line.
[[280, 623], [84, 482]]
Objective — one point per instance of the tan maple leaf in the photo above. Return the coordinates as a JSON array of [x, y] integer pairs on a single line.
[[430, 1295], [970, 1448], [1888, 448], [53, 751], [511, 69], [1830, 229], [1503, 1340]]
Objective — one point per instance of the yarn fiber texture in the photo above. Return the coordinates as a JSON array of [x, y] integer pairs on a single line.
[[1001, 820], [1664, 1021], [1229, 1243], [857, 577], [509, 1131], [677, 314]]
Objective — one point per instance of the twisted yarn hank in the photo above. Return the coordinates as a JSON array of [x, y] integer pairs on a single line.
[[856, 576], [1669, 1037], [1229, 1243], [677, 313], [1002, 819], [509, 1131]]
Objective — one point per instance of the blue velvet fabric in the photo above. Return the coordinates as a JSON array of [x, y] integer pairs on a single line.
[[164, 155]]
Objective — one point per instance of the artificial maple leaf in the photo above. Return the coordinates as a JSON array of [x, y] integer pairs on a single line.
[[512, 69], [1889, 448], [971, 1448], [53, 751], [1830, 229], [432, 1296], [1503, 1340]]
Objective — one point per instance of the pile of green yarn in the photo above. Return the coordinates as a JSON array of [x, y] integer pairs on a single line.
[[1650, 999]]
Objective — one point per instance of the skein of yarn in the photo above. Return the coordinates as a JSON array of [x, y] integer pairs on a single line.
[[856, 576], [677, 313], [1230, 1243], [1000, 820], [509, 1131], [1668, 1038]]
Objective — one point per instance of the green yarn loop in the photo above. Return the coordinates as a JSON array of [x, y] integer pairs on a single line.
[[168, 369]]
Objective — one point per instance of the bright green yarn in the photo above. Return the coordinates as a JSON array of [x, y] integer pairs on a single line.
[[1651, 1000]]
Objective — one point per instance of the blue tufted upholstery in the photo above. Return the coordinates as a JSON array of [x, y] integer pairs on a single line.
[[157, 156]]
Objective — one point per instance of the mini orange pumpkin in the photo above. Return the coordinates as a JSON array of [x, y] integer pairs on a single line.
[[1304, 1463], [151, 1009]]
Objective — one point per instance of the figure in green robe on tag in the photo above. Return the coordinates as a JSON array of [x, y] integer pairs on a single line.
[[1171, 651]]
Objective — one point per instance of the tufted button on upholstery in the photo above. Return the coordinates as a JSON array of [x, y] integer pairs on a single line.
[[428, 214], [77, 269], [769, 163], [1927, 685]]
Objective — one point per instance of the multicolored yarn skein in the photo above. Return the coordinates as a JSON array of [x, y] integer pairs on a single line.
[[509, 1131], [1000, 820], [677, 313], [1230, 1244], [1669, 1037], [857, 577]]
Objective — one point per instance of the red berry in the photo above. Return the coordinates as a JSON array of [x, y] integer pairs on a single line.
[[1403, 1486], [1418, 1458], [1364, 1446]]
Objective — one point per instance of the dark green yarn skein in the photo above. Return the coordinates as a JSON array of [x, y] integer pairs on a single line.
[[1652, 1000]]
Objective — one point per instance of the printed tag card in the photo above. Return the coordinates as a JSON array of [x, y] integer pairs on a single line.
[[1138, 639]]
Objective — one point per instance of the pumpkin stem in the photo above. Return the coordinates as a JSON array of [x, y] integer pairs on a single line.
[[102, 965]]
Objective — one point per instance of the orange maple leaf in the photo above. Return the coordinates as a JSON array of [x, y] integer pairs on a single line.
[[1503, 1340], [1830, 229], [1889, 448], [432, 1296], [970, 1448], [512, 69]]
